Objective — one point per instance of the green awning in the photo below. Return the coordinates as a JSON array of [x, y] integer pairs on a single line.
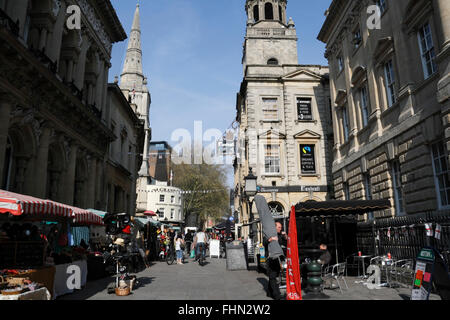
[[97, 212], [143, 221]]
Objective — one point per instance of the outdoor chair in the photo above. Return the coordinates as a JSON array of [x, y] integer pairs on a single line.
[[335, 272], [384, 269], [399, 271]]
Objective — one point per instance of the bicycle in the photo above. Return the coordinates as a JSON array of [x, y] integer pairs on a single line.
[[170, 256], [201, 254]]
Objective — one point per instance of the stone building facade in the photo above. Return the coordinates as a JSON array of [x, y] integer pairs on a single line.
[[123, 164], [389, 91], [54, 132], [283, 114]]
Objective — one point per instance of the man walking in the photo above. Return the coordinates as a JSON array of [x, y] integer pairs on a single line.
[[273, 265]]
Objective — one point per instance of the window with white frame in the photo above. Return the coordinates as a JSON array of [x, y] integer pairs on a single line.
[[389, 79], [427, 50], [382, 5], [441, 174], [345, 123], [364, 105], [172, 214], [172, 199], [270, 109], [346, 191], [340, 62], [357, 38], [398, 188], [162, 198], [272, 159], [161, 212]]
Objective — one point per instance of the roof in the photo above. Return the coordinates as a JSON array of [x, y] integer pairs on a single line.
[[333, 12], [340, 207]]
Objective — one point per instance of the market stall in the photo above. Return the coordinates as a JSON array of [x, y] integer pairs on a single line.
[[39, 241]]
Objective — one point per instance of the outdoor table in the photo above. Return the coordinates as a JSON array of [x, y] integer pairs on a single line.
[[39, 294], [361, 259]]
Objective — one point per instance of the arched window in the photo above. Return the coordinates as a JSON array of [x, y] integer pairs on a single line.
[[272, 62], [268, 11], [256, 13], [276, 208]]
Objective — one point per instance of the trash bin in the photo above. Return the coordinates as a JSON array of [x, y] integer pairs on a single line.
[[236, 258]]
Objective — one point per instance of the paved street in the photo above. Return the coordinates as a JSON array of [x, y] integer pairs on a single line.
[[185, 282], [214, 282]]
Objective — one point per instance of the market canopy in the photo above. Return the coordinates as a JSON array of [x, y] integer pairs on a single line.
[[86, 217], [101, 214], [223, 225], [19, 204], [339, 207]]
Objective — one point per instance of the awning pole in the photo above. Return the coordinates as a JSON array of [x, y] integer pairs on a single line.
[[335, 239]]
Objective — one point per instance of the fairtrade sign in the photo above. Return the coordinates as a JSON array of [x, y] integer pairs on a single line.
[[423, 277], [307, 158]]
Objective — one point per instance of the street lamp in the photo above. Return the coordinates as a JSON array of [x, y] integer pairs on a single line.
[[250, 190]]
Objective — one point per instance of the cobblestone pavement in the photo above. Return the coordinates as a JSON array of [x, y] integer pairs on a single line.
[[213, 282]]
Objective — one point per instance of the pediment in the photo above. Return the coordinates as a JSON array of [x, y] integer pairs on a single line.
[[341, 97], [272, 134], [383, 49], [415, 13], [359, 75], [302, 75], [307, 134]]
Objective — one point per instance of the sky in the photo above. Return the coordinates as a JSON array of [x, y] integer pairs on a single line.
[[192, 53]]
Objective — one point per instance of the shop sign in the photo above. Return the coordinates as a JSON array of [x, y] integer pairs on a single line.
[[307, 158]]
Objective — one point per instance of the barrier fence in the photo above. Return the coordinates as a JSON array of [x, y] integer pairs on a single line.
[[403, 237]]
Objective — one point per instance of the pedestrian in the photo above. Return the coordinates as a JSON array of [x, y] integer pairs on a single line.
[[273, 265], [325, 258], [179, 241]]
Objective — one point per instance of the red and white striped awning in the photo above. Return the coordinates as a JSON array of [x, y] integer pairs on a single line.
[[18, 204]]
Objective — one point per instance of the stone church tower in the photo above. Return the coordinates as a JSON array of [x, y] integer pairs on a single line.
[[284, 117], [134, 86]]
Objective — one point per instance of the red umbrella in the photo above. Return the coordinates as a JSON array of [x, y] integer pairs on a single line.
[[150, 213]]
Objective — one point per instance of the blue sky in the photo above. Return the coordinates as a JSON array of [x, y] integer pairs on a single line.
[[192, 51]]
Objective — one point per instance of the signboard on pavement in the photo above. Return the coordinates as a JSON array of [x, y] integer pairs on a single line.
[[423, 275]]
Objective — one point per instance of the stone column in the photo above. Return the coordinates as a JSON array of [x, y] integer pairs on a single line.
[[43, 39], [5, 110], [40, 173], [21, 165], [443, 9], [91, 182], [69, 181], [69, 76]]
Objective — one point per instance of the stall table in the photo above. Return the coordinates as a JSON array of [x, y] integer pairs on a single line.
[[39, 294]]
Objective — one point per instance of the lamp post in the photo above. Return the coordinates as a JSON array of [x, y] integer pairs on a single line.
[[250, 190]]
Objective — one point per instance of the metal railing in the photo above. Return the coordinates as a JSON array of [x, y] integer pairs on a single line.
[[404, 237]]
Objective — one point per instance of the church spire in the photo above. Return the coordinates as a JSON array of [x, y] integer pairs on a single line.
[[132, 76]]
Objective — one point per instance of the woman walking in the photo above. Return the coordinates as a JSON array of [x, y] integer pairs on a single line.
[[179, 241]]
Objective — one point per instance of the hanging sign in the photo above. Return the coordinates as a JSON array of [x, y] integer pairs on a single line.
[[423, 275]]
